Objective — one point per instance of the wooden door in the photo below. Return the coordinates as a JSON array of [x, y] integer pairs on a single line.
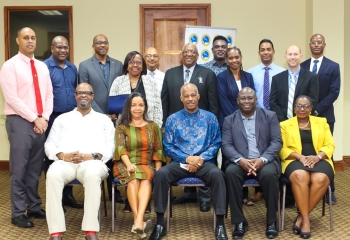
[[163, 27]]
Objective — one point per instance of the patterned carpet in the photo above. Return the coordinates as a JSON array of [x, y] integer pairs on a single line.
[[188, 223]]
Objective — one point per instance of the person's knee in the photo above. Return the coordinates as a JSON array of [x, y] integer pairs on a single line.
[[320, 179], [300, 177]]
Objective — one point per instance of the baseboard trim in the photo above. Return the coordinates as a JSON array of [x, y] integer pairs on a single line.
[[4, 165]]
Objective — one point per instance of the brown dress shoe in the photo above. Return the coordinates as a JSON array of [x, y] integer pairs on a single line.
[[91, 237], [56, 238], [257, 197]]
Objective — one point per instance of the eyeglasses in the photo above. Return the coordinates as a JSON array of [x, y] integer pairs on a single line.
[[152, 56], [316, 42], [188, 52], [132, 63], [81, 93], [60, 47], [101, 43], [299, 106], [220, 46]]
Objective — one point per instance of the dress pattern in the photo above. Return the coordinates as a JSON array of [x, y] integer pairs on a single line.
[[142, 145]]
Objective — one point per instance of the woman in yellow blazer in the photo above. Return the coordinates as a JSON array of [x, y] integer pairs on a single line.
[[306, 154]]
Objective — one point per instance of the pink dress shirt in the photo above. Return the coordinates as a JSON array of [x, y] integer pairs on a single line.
[[16, 82]]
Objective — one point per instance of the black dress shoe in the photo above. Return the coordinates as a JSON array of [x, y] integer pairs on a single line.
[[184, 200], [39, 214], [22, 222], [157, 233], [271, 231], [119, 200], [68, 200], [305, 235], [295, 228], [204, 206], [240, 230], [220, 232]]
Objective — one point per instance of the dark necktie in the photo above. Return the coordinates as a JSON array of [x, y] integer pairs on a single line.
[[39, 104], [314, 69], [187, 76], [266, 92]]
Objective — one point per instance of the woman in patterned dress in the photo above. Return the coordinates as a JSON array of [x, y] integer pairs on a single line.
[[138, 154]]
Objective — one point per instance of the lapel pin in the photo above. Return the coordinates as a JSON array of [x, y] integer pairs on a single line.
[[200, 80]]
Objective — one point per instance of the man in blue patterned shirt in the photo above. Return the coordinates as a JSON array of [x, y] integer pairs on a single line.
[[192, 139], [219, 48]]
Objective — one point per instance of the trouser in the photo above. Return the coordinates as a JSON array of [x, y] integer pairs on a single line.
[[89, 174], [172, 172], [26, 159], [268, 178]]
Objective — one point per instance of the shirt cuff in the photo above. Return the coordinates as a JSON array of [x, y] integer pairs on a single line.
[[237, 160], [264, 160]]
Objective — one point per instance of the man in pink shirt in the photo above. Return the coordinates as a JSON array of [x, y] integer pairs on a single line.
[[27, 89]]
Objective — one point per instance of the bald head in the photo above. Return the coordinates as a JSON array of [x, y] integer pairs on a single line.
[[190, 97], [58, 39], [188, 86], [60, 50], [26, 40], [247, 90], [152, 58], [84, 95], [247, 101], [317, 45], [316, 35], [293, 58], [293, 48], [98, 36]]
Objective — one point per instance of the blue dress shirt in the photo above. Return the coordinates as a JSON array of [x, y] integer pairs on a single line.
[[64, 82]]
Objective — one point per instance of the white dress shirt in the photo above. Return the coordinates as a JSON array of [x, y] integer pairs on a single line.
[[318, 64], [71, 131], [159, 78]]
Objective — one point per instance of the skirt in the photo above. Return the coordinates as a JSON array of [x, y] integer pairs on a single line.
[[322, 167]]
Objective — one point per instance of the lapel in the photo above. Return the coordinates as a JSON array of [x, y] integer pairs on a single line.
[[314, 131], [300, 82], [111, 72], [194, 74], [98, 70], [240, 124], [294, 129], [323, 66], [258, 120]]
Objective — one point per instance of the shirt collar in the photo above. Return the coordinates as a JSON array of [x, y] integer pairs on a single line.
[[252, 117], [271, 66], [191, 68], [319, 59], [75, 110], [107, 59], [53, 63], [25, 58], [296, 73], [188, 114]]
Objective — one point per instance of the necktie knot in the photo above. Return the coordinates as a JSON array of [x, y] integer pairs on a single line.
[[152, 74], [187, 76], [316, 61], [266, 68]]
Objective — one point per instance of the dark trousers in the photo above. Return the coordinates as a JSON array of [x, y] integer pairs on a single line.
[[268, 178], [26, 160], [172, 172]]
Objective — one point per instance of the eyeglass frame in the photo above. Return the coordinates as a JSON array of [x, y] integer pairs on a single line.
[[86, 93]]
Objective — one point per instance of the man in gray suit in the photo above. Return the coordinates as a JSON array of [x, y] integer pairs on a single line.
[[251, 141], [100, 71]]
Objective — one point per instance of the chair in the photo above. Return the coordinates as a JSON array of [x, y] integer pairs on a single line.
[[115, 183], [77, 183], [252, 182], [285, 181], [185, 182]]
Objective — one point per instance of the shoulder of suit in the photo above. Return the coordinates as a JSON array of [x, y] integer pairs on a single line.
[[283, 73], [114, 60]]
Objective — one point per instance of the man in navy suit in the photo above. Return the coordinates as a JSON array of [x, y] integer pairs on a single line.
[[251, 142], [329, 80]]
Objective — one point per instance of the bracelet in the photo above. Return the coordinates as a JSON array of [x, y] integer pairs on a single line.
[[319, 156]]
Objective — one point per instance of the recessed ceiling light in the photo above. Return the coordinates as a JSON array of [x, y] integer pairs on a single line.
[[50, 12]]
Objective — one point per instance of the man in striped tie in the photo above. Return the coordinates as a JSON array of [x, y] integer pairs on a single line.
[[288, 85]]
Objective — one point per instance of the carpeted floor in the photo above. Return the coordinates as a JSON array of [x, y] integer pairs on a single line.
[[187, 222]]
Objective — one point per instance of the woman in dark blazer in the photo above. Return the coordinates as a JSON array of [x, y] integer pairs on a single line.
[[230, 82]]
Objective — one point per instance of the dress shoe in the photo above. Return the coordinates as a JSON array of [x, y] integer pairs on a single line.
[[184, 200], [119, 200], [220, 232], [205, 206], [22, 222], [91, 237], [39, 214], [296, 229], [157, 233], [257, 196], [146, 228], [56, 238], [271, 231], [305, 235], [240, 230], [68, 200]]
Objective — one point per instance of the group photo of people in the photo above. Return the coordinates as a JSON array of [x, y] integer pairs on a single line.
[[105, 120]]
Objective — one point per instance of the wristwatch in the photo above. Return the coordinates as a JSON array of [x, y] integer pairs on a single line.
[[95, 156]]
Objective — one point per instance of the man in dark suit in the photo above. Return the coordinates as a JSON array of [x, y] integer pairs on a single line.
[[251, 141], [205, 80], [306, 83], [100, 71], [329, 80]]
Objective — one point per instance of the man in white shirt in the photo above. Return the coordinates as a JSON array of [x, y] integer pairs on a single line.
[[80, 142], [152, 60]]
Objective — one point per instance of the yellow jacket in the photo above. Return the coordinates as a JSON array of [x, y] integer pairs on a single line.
[[321, 138]]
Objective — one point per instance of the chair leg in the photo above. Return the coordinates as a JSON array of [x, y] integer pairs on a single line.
[[168, 210], [323, 205], [113, 205], [279, 212], [104, 197], [330, 207], [283, 206], [214, 219]]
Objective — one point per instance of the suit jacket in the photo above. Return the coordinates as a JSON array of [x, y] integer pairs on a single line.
[[227, 95], [321, 138], [121, 85], [90, 72], [203, 78], [267, 132], [329, 81], [307, 85]]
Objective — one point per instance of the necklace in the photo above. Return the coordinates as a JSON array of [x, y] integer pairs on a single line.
[[305, 125]]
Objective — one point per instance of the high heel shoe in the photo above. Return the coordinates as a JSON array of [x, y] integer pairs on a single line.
[[305, 235], [133, 229], [142, 231], [296, 229]]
